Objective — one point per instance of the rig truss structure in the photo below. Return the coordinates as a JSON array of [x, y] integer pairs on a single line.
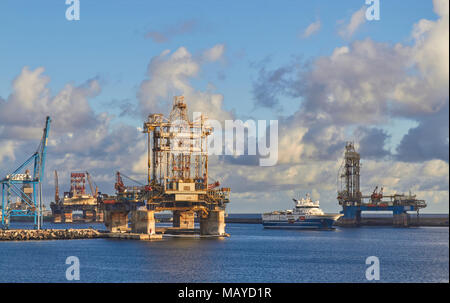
[[177, 178]]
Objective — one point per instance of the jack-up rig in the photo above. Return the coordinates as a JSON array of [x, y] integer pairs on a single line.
[[77, 199], [353, 202], [177, 179], [26, 188]]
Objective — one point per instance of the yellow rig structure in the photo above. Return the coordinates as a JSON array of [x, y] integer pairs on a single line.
[[177, 180]]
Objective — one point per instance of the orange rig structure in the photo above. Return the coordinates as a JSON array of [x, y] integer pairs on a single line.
[[177, 180], [77, 199]]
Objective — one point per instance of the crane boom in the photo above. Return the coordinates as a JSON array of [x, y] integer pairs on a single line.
[[94, 192], [56, 187]]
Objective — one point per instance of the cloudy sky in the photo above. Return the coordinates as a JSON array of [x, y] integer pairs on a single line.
[[320, 68]]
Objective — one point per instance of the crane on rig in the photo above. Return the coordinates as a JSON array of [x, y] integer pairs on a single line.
[[93, 191]]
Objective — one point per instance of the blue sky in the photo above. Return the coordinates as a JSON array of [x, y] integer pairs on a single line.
[[109, 44], [109, 40]]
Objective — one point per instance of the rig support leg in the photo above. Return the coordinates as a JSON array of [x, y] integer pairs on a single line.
[[213, 224], [57, 217], [99, 216], [116, 221], [183, 219], [143, 222], [68, 217], [352, 216], [88, 215], [400, 217]]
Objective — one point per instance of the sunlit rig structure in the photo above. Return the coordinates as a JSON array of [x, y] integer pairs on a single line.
[[353, 202], [22, 189], [77, 199], [177, 179]]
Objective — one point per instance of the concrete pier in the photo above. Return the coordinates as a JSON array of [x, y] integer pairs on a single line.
[[57, 218], [116, 221], [143, 222], [213, 224], [183, 219], [68, 217]]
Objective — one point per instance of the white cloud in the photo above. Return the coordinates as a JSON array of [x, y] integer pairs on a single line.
[[169, 75], [312, 29], [356, 20], [7, 151], [31, 101], [354, 92], [214, 53]]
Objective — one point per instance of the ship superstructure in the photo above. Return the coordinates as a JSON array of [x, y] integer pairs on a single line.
[[306, 214]]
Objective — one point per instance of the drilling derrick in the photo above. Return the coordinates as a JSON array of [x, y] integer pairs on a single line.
[[350, 193], [177, 178]]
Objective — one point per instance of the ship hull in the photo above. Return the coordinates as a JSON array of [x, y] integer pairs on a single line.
[[310, 222]]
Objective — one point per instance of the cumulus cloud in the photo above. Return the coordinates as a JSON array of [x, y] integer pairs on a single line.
[[169, 75], [312, 29], [372, 142], [366, 84], [7, 151], [429, 140], [353, 93], [31, 100], [356, 20], [79, 138], [270, 84]]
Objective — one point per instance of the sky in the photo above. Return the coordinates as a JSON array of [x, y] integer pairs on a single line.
[[325, 72]]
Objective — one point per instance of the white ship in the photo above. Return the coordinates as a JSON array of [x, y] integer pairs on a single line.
[[305, 215]]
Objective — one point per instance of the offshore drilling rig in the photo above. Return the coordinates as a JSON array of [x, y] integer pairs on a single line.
[[77, 199], [177, 179], [353, 202]]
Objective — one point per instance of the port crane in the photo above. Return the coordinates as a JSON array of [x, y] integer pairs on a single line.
[[26, 187]]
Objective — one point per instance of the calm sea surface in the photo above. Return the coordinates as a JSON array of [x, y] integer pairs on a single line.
[[251, 254]]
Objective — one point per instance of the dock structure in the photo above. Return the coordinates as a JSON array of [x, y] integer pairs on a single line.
[[177, 180], [353, 202], [22, 189], [76, 199]]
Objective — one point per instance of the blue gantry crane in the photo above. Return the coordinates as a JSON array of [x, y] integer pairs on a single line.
[[26, 188]]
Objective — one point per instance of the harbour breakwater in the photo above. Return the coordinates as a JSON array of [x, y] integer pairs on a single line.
[[48, 234]]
